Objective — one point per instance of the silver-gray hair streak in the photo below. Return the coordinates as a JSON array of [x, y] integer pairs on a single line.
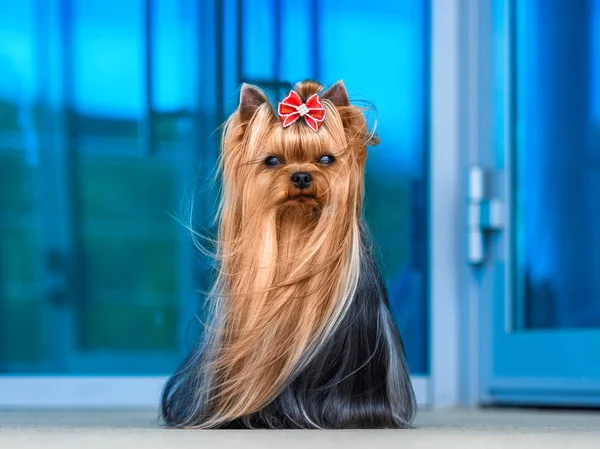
[[358, 378]]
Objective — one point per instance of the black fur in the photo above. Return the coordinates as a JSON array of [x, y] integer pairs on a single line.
[[346, 385]]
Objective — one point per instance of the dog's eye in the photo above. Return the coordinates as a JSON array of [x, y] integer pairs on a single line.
[[326, 160], [273, 161]]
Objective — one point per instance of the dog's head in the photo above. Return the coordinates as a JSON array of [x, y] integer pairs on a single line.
[[268, 166]]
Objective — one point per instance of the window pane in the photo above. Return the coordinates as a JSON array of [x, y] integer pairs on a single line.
[[380, 50], [93, 265], [258, 39], [376, 48], [20, 236], [96, 275], [347, 37], [557, 163]]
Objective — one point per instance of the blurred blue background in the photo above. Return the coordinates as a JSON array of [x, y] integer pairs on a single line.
[[108, 118]]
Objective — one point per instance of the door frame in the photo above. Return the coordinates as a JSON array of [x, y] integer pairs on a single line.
[[445, 202], [462, 120]]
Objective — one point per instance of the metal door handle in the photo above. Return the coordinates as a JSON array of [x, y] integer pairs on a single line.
[[484, 214]]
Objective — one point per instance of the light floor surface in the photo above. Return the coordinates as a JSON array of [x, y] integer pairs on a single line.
[[488, 428]]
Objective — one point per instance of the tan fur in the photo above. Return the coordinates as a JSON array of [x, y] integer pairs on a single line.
[[288, 266]]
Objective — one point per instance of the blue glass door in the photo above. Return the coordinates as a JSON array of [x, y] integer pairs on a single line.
[[545, 276]]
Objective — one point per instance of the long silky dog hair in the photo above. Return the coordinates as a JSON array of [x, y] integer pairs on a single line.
[[300, 332]]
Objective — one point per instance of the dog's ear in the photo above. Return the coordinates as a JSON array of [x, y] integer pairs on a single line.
[[337, 94], [251, 97], [352, 117]]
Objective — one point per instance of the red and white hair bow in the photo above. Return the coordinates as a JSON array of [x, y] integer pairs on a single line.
[[292, 108]]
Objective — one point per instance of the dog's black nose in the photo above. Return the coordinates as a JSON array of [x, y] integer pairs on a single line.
[[301, 179]]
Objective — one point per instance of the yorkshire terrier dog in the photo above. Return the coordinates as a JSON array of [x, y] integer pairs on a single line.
[[301, 334]]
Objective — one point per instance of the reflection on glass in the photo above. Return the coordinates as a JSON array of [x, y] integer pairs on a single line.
[[108, 71], [21, 321], [94, 271], [102, 134], [380, 50], [557, 163], [126, 237]]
